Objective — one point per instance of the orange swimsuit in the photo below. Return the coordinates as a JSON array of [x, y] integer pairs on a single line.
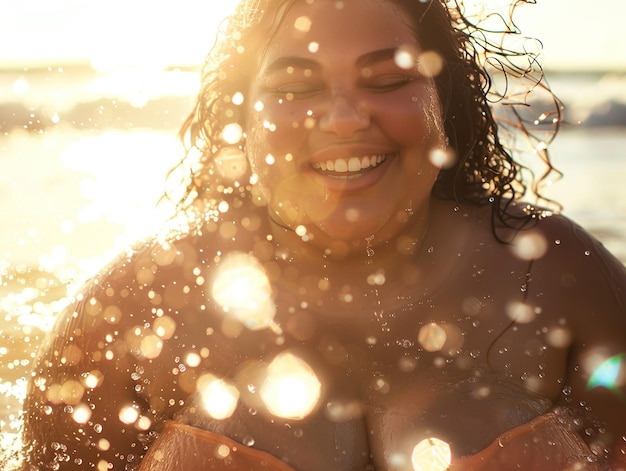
[[545, 443]]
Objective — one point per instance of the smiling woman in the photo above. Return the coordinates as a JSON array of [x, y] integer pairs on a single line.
[[355, 277], [319, 102]]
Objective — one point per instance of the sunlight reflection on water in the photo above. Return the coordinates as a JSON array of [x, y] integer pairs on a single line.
[[70, 200]]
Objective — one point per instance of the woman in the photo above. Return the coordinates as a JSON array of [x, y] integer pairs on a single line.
[[361, 288]]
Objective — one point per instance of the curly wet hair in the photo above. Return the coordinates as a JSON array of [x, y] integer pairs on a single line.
[[481, 76]]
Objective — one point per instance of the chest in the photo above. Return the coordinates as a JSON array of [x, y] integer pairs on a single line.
[[366, 375], [465, 323]]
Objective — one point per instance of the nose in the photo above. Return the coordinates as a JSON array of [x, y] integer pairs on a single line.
[[343, 117]]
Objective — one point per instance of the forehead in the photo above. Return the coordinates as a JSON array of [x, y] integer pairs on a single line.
[[346, 27]]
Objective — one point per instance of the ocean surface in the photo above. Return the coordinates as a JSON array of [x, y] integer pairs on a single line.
[[82, 161]]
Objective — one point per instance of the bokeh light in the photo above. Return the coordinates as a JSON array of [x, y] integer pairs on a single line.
[[431, 454], [291, 389], [242, 288], [432, 337], [219, 398], [529, 246]]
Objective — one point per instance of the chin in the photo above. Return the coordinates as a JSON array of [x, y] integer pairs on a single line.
[[350, 231]]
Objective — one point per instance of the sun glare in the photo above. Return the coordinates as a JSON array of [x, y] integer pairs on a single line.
[[145, 33], [84, 169]]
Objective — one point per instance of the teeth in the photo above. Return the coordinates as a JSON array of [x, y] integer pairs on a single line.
[[341, 166], [353, 164]]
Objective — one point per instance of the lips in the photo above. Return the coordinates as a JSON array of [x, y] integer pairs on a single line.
[[350, 167]]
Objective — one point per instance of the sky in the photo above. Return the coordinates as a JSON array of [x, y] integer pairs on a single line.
[[577, 34]]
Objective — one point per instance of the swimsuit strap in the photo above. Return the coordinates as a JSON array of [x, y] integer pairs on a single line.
[[543, 443]]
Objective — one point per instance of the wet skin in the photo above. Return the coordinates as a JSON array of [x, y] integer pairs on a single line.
[[520, 325], [491, 371]]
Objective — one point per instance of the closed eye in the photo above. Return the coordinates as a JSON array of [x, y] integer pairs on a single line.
[[387, 82], [295, 90]]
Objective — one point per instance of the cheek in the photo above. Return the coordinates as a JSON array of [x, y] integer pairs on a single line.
[[274, 137], [281, 126], [413, 120]]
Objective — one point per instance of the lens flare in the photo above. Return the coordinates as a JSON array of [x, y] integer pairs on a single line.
[[607, 374], [432, 337], [242, 288], [431, 454], [291, 389]]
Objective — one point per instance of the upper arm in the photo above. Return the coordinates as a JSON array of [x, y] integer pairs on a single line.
[[586, 287], [81, 405], [83, 408]]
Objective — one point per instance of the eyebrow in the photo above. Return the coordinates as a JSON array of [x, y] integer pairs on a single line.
[[374, 57], [365, 60]]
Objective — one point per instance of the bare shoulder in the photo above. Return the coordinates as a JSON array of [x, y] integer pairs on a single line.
[[582, 286], [144, 325], [570, 257]]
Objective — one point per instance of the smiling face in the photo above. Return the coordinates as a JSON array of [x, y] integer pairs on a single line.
[[341, 121]]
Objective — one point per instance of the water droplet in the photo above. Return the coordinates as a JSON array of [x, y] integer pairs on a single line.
[[248, 440], [587, 253]]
